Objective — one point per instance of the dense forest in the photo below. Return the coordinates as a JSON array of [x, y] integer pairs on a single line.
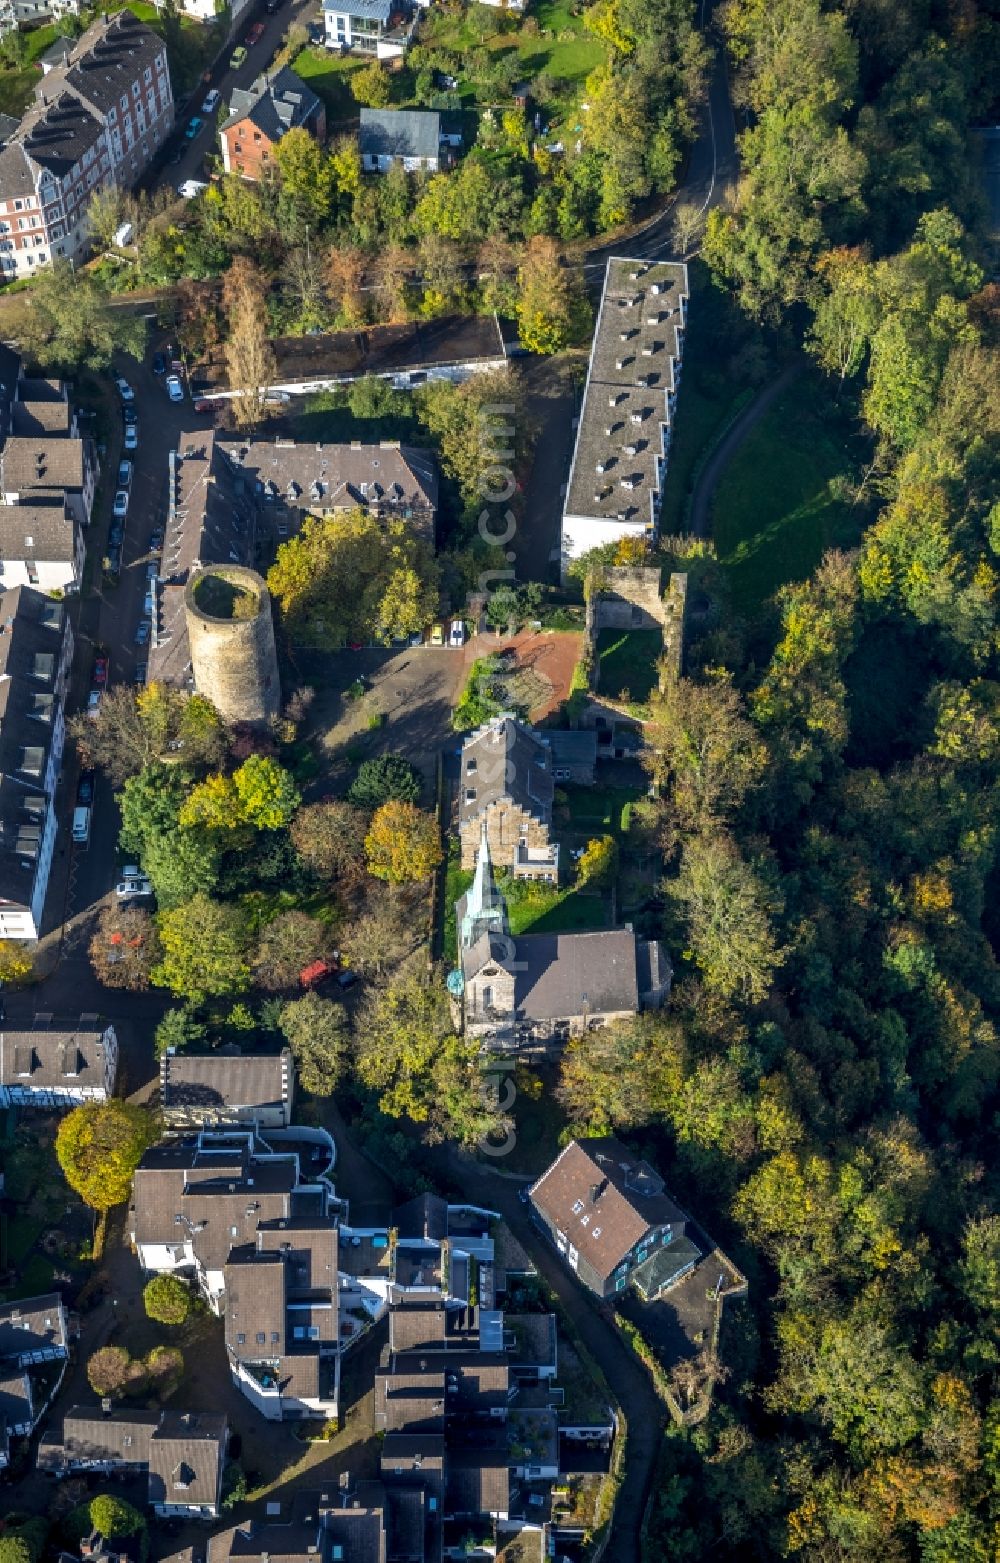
[[823, 1090]]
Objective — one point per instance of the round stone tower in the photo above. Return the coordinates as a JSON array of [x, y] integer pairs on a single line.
[[231, 635]]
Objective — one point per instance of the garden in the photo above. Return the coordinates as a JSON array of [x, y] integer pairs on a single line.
[[46, 1231], [628, 663]]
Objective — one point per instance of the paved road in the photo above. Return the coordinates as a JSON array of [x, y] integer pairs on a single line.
[[182, 159], [629, 1381]]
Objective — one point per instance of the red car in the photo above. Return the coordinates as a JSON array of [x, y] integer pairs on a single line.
[[256, 33], [99, 672], [203, 406]]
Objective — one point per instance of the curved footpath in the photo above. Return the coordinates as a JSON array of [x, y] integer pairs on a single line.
[[630, 1383], [700, 510]]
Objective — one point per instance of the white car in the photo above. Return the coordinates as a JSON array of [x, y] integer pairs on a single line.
[[131, 441], [456, 636], [211, 103], [133, 885], [120, 508], [94, 703], [174, 388], [125, 391], [190, 188]]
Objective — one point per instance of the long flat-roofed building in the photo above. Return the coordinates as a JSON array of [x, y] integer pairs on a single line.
[[623, 438]]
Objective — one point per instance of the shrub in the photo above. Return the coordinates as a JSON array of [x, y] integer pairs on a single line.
[[167, 1299], [385, 778]]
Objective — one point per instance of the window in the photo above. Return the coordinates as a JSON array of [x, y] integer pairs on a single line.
[[147, 75], [314, 1332], [241, 1339], [274, 1337], [261, 1337], [596, 1232], [584, 1221], [577, 1207], [234, 1231], [487, 998]]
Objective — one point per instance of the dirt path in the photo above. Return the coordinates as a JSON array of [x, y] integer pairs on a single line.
[[708, 479]]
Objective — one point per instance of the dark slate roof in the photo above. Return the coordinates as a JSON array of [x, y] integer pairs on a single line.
[[57, 53], [37, 531], [478, 1480], [186, 1455], [424, 1216], [506, 759], [400, 133], [333, 477], [411, 1402], [41, 462], [38, 1060], [409, 1455], [112, 54], [572, 747], [563, 974], [34, 1324], [17, 178], [620, 1198], [368, 10], [255, 1305], [56, 134], [8, 126], [277, 102], [218, 1085]]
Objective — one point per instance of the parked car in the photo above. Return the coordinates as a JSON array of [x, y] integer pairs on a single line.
[[194, 128], [139, 675], [129, 416], [179, 154], [99, 670], [237, 58], [202, 405], [159, 364], [94, 703], [124, 474], [127, 889], [148, 604], [85, 787], [456, 635], [174, 388], [152, 571], [190, 188], [142, 630], [437, 635], [346, 979], [125, 391], [120, 507], [156, 540], [81, 824], [211, 102], [132, 437], [256, 33]]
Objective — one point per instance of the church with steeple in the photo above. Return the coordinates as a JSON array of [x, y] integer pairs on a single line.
[[538, 990]]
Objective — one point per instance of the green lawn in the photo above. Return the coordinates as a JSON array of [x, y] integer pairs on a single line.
[[628, 662], [567, 54], [538, 908], [601, 809], [778, 507], [328, 74], [456, 882], [714, 389], [18, 81]]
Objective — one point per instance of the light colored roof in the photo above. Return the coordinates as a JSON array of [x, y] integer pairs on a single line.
[[40, 1060], [400, 133], [41, 461]]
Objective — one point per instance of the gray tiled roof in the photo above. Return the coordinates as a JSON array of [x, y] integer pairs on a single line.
[[112, 54], [41, 462], [505, 759], [57, 133], [186, 1455], [221, 1085], [424, 1216], [399, 133], [478, 1480], [15, 1400], [17, 178], [31, 418], [335, 477], [37, 531], [411, 1329], [276, 102], [255, 1305], [620, 1195], [89, 1438], [38, 1060], [564, 974], [411, 1402], [34, 1324]]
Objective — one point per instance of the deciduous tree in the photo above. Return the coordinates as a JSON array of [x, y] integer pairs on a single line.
[[403, 843], [206, 946], [166, 1299], [288, 944], [125, 947], [316, 1031], [383, 778], [729, 910], [68, 323], [99, 1146], [329, 838], [552, 308]]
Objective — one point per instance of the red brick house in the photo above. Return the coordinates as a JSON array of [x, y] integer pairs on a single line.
[[261, 114]]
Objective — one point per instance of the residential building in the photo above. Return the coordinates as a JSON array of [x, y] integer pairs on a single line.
[[411, 137], [30, 13], [260, 115], [381, 28], [53, 469], [626, 421], [289, 480], [506, 791], [181, 1453], [36, 652], [538, 990], [229, 499], [607, 1212], [348, 1524], [199, 1091], [98, 119], [55, 1066], [34, 1348], [41, 545]]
